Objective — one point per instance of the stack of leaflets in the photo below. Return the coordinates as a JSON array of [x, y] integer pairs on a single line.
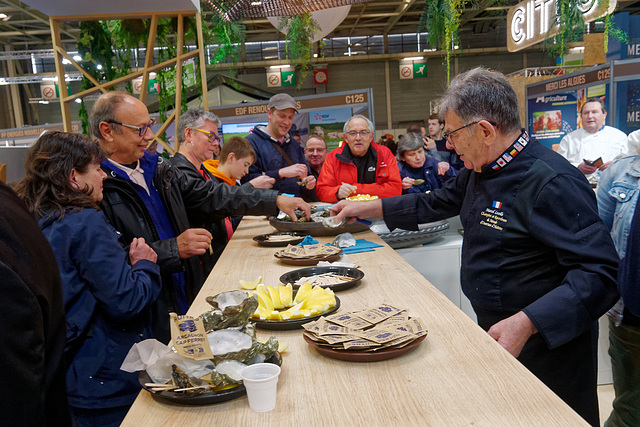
[[377, 328]]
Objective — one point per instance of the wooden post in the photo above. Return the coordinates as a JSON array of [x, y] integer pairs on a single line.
[[203, 63], [62, 83]]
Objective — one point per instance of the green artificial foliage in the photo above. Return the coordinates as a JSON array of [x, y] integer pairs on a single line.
[[229, 36], [611, 30], [95, 47], [570, 22], [441, 19], [302, 29], [128, 36]]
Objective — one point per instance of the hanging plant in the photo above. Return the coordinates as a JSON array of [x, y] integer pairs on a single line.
[[94, 46], [571, 26], [570, 23], [441, 19], [127, 36], [301, 31]]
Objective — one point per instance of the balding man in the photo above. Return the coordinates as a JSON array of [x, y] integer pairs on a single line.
[[145, 196]]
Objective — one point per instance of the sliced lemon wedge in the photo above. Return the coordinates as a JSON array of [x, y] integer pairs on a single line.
[[282, 346], [245, 284]]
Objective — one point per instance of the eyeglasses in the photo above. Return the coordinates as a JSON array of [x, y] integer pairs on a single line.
[[362, 133], [212, 137], [447, 135], [142, 130]]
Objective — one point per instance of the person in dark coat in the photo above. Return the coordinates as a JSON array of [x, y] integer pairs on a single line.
[[414, 164], [32, 331], [538, 263], [145, 196], [198, 138], [107, 291]]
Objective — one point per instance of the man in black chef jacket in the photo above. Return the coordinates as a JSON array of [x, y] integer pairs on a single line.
[[538, 264]]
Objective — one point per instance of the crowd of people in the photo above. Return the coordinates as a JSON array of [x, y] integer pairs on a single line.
[[132, 236]]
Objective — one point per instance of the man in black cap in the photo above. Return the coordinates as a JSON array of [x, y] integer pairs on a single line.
[[278, 155]]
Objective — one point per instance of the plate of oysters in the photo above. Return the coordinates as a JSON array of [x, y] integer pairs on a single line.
[[225, 329]]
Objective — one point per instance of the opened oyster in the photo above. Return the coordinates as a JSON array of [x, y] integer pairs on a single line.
[[230, 310]]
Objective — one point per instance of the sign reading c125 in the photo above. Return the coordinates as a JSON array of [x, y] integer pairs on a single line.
[[531, 21]]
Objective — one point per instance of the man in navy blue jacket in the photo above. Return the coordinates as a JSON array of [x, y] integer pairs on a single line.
[[538, 263], [278, 155]]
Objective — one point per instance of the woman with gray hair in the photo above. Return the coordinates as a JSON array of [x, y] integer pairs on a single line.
[[420, 173], [198, 139]]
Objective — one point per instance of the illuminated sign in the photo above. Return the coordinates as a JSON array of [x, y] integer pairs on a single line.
[[532, 21]]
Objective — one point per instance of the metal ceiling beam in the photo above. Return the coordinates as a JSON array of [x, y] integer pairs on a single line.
[[37, 15], [399, 13]]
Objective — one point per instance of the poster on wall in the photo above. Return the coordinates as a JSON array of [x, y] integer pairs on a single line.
[[329, 124], [551, 117], [633, 106]]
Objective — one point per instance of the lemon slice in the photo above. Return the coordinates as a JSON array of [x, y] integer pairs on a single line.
[[282, 346], [245, 284]]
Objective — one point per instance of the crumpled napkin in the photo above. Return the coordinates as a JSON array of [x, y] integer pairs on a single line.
[[308, 240], [156, 358]]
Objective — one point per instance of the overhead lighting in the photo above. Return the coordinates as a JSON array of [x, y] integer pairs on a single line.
[[77, 58], [4, 16], [50, 79], [99, 67], [3, 81], [42, 101], [280, 66], [78, 101], [429, 50], [315, 55], [413, 58], [66, 61]]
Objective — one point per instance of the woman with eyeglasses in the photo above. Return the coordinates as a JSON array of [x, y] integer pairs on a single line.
[[198, 139], [106, 289]]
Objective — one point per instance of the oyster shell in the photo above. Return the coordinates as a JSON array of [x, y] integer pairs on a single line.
[[231, 368], [230, 310], [227, 341]]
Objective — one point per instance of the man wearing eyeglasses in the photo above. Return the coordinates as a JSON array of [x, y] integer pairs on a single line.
[[145, 196], [278, 154], [538, 263], [359, 167]]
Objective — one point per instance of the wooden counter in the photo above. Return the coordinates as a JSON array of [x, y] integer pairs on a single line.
[[457, 376]]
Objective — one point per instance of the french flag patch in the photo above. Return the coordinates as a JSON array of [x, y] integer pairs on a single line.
[[496, 204]]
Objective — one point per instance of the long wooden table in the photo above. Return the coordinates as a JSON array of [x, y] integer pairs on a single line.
[[457, 376]]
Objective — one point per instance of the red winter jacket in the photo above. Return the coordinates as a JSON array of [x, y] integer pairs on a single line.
[[338, 169]]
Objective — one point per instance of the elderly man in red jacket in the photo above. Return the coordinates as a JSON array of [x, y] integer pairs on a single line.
[[359, 167]]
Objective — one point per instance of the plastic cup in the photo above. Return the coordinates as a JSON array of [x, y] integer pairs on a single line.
[[261, 382]]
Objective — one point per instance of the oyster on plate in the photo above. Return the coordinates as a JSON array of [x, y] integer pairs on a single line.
[[230, 310], [232, 341]]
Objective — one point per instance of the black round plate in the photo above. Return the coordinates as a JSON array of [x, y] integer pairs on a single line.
[[204, 398], [354, 273], [263, 240], [283, 325]]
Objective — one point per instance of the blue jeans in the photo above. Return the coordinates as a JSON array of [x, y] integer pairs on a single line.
[[624, 349]]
